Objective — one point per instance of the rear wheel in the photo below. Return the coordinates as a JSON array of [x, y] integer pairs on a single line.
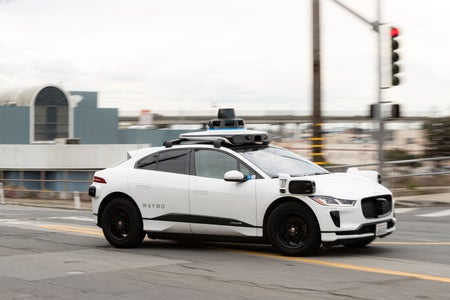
[[293, 230], [122, 224]]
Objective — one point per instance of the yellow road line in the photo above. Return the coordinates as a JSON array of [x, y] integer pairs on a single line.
[[346, 266], [97, 232], [412, 243], [75, 229]]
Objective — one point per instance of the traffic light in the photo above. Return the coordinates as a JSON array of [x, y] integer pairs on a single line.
[[389, 56], [395, 68], [395, 111], [388, 111]]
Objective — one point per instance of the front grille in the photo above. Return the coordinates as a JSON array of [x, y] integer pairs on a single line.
[[376, 207]]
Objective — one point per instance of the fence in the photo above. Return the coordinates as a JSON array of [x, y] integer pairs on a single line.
[[411, 173], [388, 164], [46, 184], [73, 184]]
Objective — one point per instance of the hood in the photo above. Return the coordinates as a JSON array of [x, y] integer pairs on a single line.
[[347, 186]]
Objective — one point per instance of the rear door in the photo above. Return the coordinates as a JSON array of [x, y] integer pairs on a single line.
[[159, 184]]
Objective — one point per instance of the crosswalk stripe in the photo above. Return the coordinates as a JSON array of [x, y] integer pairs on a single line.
[[442, 213]]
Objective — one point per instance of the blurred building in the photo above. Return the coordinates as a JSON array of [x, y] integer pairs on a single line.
[[51, 138]]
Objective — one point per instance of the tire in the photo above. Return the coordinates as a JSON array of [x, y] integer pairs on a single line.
[[122, 224], [360, 243], [292, 229]]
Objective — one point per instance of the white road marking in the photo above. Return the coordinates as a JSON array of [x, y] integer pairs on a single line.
[[84, 219], [404, 210], [442, 213]]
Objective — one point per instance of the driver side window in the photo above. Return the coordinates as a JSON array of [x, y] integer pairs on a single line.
[[214, 164]]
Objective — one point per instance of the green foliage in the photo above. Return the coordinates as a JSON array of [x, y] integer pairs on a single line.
[[398, 154], [438, 135]]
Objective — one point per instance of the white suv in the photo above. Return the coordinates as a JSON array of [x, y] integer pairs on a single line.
[[231, 184]]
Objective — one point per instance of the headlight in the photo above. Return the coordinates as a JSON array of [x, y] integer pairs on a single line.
[[331, 201]]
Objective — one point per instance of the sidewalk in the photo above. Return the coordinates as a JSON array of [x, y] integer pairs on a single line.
[[64, 204], [441, 199]]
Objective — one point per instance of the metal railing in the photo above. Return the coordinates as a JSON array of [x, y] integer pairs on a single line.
[[16, 187], [46, 184], [400, 162]]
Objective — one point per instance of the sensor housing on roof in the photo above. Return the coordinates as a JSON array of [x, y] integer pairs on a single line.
[[226, 119], [227, 130]]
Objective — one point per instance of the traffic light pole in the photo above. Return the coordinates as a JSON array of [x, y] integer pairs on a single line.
[[380, 94], [376, 27]]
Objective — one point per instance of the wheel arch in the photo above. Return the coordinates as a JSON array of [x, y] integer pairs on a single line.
[[280, 201], [109, 198]]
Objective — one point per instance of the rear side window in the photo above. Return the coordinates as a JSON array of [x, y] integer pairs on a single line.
[[148, 163], [173, 161]]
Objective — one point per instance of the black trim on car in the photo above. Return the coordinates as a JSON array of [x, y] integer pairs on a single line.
[[196, 219], [363, 229], [92, 191]]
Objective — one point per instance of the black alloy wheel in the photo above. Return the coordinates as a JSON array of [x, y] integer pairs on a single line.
[[293, 229], [122, 224]]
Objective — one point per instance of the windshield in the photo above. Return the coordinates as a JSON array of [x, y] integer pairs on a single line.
[[274, 161]]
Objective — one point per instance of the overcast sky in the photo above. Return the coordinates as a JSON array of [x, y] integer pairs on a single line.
[[182, 55]]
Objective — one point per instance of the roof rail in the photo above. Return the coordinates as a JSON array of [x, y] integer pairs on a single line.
[[170, 143]]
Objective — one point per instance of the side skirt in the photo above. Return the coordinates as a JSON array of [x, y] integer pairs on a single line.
[[204, 237]]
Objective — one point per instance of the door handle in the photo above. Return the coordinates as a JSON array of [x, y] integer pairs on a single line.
[[200, 192]]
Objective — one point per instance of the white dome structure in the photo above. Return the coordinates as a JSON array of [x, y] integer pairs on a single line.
[[51, 114]]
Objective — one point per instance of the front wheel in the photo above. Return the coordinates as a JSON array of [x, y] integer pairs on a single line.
[[122, 224], [293, 230]]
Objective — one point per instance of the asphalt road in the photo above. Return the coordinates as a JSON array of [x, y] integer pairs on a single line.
[[60, 254]]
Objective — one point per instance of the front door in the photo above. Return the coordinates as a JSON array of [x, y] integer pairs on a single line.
[[219, 207]]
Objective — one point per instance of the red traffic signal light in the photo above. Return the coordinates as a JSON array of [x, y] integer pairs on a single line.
[[394, 32]]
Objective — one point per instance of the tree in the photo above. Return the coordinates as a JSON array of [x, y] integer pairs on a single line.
[[438, 135], [398, 154]]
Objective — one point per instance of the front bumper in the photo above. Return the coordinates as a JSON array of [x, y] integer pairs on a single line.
[[356, 222], [364, 231]]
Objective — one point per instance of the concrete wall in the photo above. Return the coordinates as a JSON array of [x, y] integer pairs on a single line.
[[44, 157], [14, 125]]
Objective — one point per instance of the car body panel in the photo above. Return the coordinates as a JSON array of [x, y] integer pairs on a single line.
[[158, 194], [233, 204]]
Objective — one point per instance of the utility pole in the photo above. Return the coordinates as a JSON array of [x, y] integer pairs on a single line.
[[316, 140]]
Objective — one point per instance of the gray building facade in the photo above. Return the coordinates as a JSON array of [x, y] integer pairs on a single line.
[[52, 139]]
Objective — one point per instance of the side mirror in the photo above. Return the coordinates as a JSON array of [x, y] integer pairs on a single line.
[[235, 176]]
